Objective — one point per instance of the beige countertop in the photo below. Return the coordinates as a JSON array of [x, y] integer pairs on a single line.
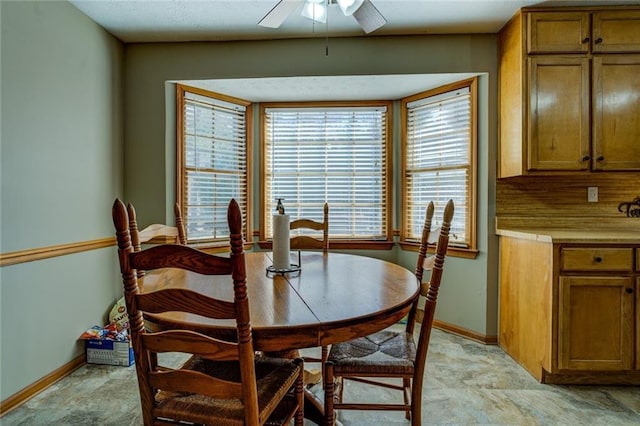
[[587, 236]]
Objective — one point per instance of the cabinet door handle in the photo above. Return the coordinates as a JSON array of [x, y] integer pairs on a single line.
[[628, 290], [597, 259], [586, 158], [600, 158], [585, 40], [599, 40]]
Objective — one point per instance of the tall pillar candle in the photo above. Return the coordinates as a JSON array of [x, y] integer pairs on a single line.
[[281, 256]]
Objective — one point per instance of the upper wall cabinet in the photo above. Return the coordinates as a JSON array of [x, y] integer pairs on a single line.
[[616, 32], [616, 112], [558, 32], [569, 91], [583, 32]]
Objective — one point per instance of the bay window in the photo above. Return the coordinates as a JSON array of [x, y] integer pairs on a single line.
[[212, 160], [333, 152], [439, 160]]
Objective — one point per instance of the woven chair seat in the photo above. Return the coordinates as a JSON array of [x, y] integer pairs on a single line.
[[385, 352], [274, 377]]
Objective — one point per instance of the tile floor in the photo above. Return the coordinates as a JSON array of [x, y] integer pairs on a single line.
[[467, 384]]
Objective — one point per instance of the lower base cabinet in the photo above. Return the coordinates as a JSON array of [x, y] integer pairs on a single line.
[[595, 323], [570, 313]]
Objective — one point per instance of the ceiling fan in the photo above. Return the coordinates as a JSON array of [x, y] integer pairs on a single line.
[[369, 18]]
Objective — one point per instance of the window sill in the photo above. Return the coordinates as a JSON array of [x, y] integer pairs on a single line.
[[345, 245], [451, 251]]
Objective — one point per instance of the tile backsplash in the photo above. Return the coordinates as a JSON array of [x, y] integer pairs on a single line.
[[563, 199]]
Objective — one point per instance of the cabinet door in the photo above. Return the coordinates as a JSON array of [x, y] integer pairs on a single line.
[[558, 116], [617, 31], [637, 336], [558, 32], [616, 112], [595, 323]]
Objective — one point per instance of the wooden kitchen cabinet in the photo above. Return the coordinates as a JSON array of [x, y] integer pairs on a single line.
[[559, 127], [596, 259], [596, 306], [558, 32], [610, 31], [569, 91], [637, 293], [616, 112], [595, 323], [616, 31], [570, 312]]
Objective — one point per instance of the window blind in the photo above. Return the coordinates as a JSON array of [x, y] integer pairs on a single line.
[[438, 161], [215, 164], [332, 154]]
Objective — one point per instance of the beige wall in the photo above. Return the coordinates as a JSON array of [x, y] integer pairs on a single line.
[[469, 298], [61, 165]]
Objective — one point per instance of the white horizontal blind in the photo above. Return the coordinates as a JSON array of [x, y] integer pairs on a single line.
[[332, 154], [215, 164], [438, 163]]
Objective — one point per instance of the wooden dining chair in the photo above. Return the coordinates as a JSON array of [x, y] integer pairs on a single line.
[[307, 242], [157, 233], [391, 354], [223, 382]]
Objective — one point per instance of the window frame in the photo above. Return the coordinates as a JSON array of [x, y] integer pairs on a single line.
[[342, 243], [412, 244], [181, 184]]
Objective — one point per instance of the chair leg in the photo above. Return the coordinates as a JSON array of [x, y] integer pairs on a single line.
[[416, 403], [299, 389], [329, 388], [324, 357], [406, 394]]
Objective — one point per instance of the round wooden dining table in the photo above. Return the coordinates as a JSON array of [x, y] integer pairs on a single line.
[[334, 297]]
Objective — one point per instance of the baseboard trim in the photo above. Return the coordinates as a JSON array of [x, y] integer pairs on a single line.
[[601, 378], [463, 332], [33, 389]]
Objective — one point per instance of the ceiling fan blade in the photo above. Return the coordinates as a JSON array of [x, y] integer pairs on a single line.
[[279, 13], [369, 18]]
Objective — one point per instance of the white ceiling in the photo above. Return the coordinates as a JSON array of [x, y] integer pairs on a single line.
[[328, 88], [135, 21], [140, 21]]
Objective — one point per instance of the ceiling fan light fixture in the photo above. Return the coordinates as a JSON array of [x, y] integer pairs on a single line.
[[276, 16], [363, 11], [368, 16], [349, 6], [316, 10]]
